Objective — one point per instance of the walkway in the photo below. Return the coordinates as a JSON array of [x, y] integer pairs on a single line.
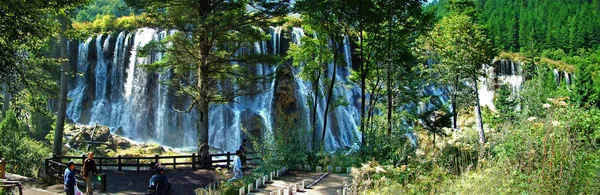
[[328, 185], [184, 181]]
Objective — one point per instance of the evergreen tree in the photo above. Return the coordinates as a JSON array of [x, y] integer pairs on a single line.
[[207, 48], [459, 46]]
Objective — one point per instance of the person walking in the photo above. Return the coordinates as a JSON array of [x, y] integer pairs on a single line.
[[88, 171], [243, 151], [69, 179], [204, 155], [159, 184], [237, 166]]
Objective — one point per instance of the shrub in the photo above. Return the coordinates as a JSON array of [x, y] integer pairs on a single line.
[[24, 155]]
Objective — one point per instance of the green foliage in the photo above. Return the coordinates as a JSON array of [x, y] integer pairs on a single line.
[[506, 105], [115, 8], [22, 153], [108, 24], [26, 27]]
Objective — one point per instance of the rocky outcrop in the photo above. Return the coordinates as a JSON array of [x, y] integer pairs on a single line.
[[253, 123], [284, 98], [95, 138]]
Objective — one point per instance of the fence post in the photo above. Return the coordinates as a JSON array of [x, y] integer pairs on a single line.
[[228, 153], [156, 158], [100, 163], [138, 164], [174, 163], [103, 177], [47, 170], [119, 162], [83, 157], [193, 160]]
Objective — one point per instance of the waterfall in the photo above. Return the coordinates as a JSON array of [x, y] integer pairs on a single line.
[[75, 106], [116, 92]]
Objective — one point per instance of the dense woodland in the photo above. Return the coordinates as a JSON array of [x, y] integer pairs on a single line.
[[540, 139]]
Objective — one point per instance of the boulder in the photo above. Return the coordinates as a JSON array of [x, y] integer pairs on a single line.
[[121, 143], [155, 149], [101, 134]]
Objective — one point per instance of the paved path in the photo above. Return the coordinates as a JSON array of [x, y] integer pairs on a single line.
[[329, 185], [184, 181]]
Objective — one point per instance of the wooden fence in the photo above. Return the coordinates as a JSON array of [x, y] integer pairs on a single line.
[[55, 166]]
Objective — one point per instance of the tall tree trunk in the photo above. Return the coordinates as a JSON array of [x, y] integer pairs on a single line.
[[454, 111], [202, 122], [363, 86], [478, 117], [64, 84], [390, 99], [6, 97], [329, 92], [204, 100], [454, 105], [389, 72], [314, 110]]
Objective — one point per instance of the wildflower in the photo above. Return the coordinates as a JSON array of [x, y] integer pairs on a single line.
[[403, 168], [555, 123], [562, 103], [379, 169], [531, 118], [546, 106]]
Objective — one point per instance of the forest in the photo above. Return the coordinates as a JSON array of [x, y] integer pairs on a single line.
[[418, 97]]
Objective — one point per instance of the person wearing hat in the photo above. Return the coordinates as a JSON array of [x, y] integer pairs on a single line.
[[159, 183], [69, 178]]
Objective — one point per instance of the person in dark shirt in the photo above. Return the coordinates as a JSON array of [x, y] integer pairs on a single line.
[[243, 151], [204, 155], [88, 171], [159, 183], [69, 179]]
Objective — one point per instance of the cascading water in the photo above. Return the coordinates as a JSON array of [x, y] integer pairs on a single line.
[[502, 72], [116, 92]]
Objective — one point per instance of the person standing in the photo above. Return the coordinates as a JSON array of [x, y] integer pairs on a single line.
[[204, 155], [69, 179], [243, 151], [89, 170]]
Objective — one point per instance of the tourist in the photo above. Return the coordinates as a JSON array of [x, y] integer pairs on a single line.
[[243, 151], [154, 167], [69, 179], [204, 155], [159, 184], [237, 166], [89, 170]]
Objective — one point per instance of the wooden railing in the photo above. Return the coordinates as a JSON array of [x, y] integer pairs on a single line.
[[11, 185], [55, 166]]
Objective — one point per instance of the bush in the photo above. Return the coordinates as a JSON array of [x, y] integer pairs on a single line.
[[24, 155]]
